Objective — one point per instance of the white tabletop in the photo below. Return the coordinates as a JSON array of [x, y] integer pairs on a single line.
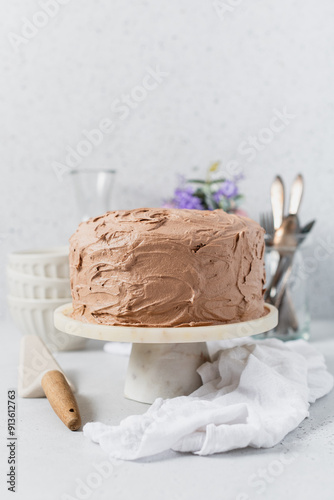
[[53, 461]]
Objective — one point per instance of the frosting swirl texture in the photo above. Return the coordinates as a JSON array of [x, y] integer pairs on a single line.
[[161, 267]]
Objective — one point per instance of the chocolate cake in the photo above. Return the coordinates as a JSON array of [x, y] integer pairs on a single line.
[[157, 267]]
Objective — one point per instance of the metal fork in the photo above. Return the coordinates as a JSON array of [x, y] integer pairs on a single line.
[[267, 222]]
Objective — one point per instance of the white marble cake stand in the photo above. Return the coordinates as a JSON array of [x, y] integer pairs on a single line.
[[163, 361]]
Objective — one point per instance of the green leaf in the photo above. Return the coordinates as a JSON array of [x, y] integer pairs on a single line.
[[198, 181], [208, 197], [217, 181], [199, 194], [215, 204], [224, 204]]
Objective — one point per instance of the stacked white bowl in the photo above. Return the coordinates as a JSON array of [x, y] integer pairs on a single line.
[[38, 283]]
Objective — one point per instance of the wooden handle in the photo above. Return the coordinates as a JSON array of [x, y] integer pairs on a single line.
[[61, 398]]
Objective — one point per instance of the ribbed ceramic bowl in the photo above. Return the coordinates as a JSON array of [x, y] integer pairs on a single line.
[[48, 263], [35, 316], [25, 286]]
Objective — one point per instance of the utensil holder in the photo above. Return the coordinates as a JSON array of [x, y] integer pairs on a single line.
[[294, 313]]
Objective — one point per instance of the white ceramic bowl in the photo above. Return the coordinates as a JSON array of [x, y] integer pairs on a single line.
[[49, 262], [33, 316], [37, 287]]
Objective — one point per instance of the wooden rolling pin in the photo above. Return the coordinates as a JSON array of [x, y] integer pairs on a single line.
[[61, 398]]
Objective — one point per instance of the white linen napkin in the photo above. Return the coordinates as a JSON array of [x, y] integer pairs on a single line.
[[253, 394]]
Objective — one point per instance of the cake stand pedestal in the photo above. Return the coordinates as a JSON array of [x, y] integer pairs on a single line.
[[163, 361]]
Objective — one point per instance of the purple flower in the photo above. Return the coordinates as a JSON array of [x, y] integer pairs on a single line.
[[238, 177], [183, 198], [168, 204], [228, 189]]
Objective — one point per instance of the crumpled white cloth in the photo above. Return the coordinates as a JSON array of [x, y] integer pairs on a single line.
[[253, 394]]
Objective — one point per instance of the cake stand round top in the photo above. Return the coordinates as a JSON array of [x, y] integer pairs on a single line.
[[150, 335]]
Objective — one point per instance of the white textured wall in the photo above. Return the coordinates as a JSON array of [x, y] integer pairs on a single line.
[[227, 74]]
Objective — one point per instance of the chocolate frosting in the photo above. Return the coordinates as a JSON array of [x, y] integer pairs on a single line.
[[161, 267]]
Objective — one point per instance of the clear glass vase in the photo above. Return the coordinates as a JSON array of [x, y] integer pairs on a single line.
[[291, 294], [92, 191]]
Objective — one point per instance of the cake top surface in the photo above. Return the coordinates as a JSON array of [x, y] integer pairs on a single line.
[[165, 222]]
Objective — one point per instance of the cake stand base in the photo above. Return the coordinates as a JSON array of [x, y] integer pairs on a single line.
[[164, 370], [163, 361]]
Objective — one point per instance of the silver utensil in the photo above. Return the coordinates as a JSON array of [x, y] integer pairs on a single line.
[[285, 241], [267, 222], [285, 235], [285, 238], [284, 281], [283, 300], [277, 206], [287, 317], [277, 201], [307, 228], [296, 194]]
